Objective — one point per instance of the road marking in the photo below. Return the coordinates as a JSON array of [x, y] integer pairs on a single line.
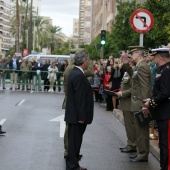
[[20, 103], [62, 124], [2, 121]]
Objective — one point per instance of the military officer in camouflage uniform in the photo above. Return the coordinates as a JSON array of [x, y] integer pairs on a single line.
[[88, 73], [125, 105], [141, 78]]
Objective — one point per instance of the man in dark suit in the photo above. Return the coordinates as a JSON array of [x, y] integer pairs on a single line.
[[79, 108], [159, 103]]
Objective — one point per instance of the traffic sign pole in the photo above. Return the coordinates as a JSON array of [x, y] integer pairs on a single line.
[[141, 40]]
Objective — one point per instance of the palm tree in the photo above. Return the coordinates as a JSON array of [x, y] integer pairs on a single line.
[[54, 36], [30, 31], [20, 21], [17, 27], [41, 30]]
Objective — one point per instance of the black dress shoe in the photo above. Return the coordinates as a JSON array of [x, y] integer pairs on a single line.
[[122, 148], [79, 157], [137, 159], [1, 132], [126, 150], [133, 156]]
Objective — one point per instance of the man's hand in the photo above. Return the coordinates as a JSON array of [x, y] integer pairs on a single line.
[[146, 101], [145, 111], [119, 94], [81, 122]]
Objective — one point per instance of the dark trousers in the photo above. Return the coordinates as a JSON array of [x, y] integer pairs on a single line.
[[98, 97], [164, 143], [46, 84], [75, 137], [109, 103]]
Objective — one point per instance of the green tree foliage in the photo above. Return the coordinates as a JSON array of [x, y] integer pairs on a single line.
[[160, 33], [94, 48], [122, 34]]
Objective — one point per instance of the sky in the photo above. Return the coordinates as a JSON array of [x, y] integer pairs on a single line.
[[62, 12]]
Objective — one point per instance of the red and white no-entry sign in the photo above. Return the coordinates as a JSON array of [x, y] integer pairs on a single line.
[[142, 20]]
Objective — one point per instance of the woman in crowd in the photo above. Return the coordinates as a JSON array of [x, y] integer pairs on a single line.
[[116, 77], [64, 66], [45, 75], [32, 73], [107, 86], [96, 83], [52, 69]]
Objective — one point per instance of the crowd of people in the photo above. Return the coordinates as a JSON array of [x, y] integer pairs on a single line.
[[28, 75]]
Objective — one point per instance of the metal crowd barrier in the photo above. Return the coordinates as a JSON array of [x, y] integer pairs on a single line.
[[27, 78]]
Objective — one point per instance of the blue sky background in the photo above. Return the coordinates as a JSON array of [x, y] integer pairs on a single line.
[[62, 12]]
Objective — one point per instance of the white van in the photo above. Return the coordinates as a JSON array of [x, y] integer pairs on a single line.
[[43, 58]]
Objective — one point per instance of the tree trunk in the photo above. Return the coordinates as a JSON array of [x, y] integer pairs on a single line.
[[30, 31], [17, 27], [24, 44]]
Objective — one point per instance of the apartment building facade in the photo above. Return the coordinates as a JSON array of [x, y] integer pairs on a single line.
[[5, 37], [103, 15], [75, 37], [85, 22]]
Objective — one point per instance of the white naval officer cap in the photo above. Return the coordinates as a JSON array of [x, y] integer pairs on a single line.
[[160, 50]]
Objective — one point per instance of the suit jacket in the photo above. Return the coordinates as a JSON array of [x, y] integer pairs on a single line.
[[79, 102], [11, 64], [88, 73], [36, 67], [141, 79]]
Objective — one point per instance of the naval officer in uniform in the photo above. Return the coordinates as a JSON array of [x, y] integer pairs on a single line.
[[159, 104]]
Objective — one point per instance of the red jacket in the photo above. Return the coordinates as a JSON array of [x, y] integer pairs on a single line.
[[106, 81]]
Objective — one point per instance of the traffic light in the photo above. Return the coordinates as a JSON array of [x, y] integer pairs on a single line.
[[103, 37]]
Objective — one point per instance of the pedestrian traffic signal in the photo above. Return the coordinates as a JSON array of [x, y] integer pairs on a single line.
[[103, 37]]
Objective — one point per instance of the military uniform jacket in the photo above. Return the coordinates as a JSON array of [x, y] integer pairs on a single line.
[[79, 102], [141, 79], [160, 100], [125, 100]]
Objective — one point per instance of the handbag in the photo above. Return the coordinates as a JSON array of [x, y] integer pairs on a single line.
[[109, 92], [142, 119]]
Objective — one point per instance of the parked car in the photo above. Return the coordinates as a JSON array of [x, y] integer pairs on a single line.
[[61, 58]]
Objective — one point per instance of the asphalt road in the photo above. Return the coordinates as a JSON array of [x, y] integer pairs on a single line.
[[33, 142]]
